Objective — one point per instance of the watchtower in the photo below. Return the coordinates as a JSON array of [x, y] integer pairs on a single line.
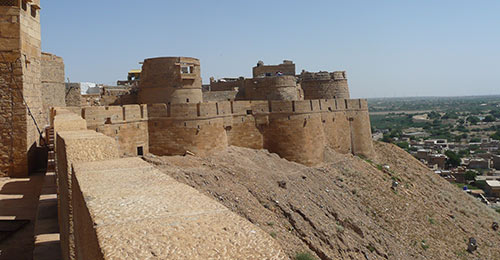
[[325, 85], [170, 80]]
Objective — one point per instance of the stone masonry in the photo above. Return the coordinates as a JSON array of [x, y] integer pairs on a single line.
[[20, 86]]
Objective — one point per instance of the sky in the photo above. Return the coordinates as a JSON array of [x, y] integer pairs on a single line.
[[388, 48]]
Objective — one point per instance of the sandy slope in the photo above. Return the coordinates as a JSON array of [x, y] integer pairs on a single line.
[[345, 208]]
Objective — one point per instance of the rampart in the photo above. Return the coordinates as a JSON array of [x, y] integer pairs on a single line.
[[112, 208], [126, 124], [170, 80], [271, 88], [296, 130], [325, 85]]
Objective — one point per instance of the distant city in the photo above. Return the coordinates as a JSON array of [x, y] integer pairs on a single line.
[[457, 137]]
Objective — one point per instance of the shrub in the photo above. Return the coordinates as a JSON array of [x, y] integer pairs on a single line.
[[304, 256]]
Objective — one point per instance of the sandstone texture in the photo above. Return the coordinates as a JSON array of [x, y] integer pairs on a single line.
[[149, 215], [344, 208]]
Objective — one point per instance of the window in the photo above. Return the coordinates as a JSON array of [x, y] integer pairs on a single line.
[[33, 11], [140, 151], [185, 69], [249, 112]]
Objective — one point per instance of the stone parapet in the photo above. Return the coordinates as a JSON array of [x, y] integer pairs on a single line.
[[126, 209]]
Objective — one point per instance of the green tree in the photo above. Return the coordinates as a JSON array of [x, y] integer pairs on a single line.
[[489, 118], [470, 175], [496, 135], [453, 158], [434, 115], [403, 145], [473, 119]]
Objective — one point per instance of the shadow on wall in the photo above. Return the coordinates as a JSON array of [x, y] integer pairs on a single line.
[[37, 158]]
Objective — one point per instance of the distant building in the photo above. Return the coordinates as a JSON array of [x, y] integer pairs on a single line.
[[496, 162], [492, 188], [479, 163], [438, 159]]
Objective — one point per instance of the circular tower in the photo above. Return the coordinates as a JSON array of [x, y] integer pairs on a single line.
[[325, 85], [272, 88], [170, 80]]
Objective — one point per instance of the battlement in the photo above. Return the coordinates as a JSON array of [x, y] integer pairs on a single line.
[[323, 76], [170, 80], [242, 108], [113, 114]]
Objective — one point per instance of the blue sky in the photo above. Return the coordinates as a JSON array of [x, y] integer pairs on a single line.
[[389, 48]]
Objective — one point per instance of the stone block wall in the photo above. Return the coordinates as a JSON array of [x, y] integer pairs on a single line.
[[73, 96], [170, 80], [53, 87], [325, 85], [286, 68], [271, 88], [215, 96], [113, 208], [296, 130], [20, 81], [126, 124]]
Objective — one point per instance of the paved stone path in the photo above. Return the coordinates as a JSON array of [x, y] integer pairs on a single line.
[[19, 200]]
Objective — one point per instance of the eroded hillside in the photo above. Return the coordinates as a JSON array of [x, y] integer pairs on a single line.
[[345, 208]]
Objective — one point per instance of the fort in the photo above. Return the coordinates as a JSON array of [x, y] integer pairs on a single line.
[[93, 149]]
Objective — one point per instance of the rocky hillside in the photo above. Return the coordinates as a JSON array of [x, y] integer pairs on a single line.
[[345, 208]]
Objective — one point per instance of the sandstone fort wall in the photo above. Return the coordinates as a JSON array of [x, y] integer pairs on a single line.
[[325, 85], [170, 80], [53, 86], [261, 70], [296, 130], [113, 208], [126, 124], [20, 80], [73, 96], [271, 88]]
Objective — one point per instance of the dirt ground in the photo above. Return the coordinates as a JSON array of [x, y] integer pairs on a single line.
[[345, 208]]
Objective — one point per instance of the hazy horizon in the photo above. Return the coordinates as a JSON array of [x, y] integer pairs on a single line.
[[388, 48]]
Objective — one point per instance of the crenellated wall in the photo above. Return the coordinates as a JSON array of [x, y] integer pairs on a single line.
[[271, 88], [112, 208], [324, 84], [128, 125], [296, 130], [170, 80]]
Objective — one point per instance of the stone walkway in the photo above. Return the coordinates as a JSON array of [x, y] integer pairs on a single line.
[[47, 243], [19, 200]]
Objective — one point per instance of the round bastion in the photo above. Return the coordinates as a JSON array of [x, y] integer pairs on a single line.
[[325, 85], [170, 80]]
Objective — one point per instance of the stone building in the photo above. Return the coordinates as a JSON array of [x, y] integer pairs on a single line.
[[287, 68], [496, 162], [492, 188], [170, 80]]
